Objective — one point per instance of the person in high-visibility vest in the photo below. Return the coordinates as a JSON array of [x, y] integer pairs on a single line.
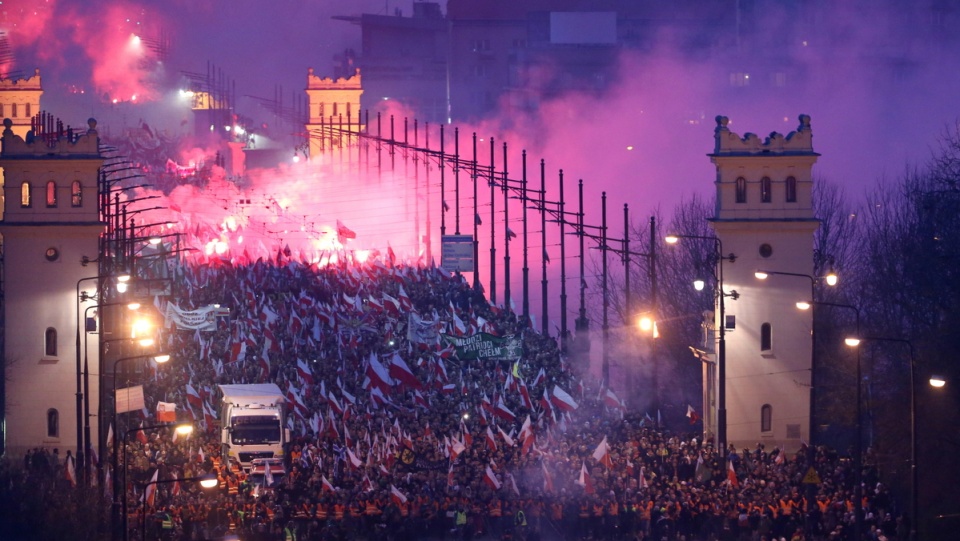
[[290, 532], [460, 517]]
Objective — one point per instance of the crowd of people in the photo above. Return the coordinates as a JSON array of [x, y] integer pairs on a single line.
[[396, 437]]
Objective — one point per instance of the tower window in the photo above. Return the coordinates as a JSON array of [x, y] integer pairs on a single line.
[[50, 342], [765, 195], [13, 107], [76, 194], [766, 338], [791, 185], [51, 194], [53, 423], [766, 418], [25, 201], [27, 107], [741, 190], [334, 108]]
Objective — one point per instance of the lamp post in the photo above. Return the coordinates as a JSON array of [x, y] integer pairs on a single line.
[[208, 480], [831, 280], [182, 429], [116, 482], [858, 459], [81, 444], [721, 341], [914, 479]]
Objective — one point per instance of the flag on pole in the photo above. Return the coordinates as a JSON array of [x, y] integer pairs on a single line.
[[490, 479], [602, 453], [585, 480], [398, 497], [151, 491], [732, 474], [563, 400], [268, 475], [692, 415]]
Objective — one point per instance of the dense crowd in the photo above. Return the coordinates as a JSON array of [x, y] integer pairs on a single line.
[[529, 448]]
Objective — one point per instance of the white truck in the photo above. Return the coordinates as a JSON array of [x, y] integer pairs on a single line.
[[252, 423]]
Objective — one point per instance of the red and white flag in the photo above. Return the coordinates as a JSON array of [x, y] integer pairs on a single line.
[[490, 479], [585, 480], [491, 440], [692, 415], [398, 497], [503, 412], [304, 371], [563, 400], [150, 495], [71, 471], [506, 437], [732, 474], [611, 400], [327, 485], [602, 453], [401, 372], [355, 462]]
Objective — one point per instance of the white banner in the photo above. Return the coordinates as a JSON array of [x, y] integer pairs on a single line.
[[204, 319]]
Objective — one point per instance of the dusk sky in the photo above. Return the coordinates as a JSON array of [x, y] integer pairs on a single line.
[[645, 140]]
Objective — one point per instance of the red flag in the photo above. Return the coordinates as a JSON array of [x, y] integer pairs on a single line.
[[401, 372]]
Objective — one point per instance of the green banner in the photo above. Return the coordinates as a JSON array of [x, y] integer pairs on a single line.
[[486, 347]]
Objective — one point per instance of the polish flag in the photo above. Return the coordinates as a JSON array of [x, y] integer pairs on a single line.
[[193, 397], [692, 415], [602, 453], [585, 480], [732, 474], [490, 479], [151, 491], [355, 462], [611, 400], [398, 497], [541, 377], [71, 472], [400, 371], [304, 371], [506, 437], [563, 400], [491, 440], [503, 412], [327, 485], [141, 436]]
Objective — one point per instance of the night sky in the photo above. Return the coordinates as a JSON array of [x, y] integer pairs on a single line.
[[645, 140]]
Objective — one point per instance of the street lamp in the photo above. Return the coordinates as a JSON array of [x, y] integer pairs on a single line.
[[831, 279], [181, 429], [160, 358], [935, 381], [721, 342], [852, 341], [207, 480]]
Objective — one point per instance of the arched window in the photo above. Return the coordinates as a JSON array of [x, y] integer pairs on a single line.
[[741, 190], [766, 418], [53, 423], [50, 342], [766, 339], [76, 194], [51, 194], [791, 190], [27, 107], [25, 201], [765, 195], [13, 107]]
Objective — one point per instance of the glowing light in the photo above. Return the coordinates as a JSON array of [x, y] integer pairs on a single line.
[[133, 98], [937, 381], [761, 275], [804, 305], [296, 158], [852, 341], [698, 284], [362, 255], [135, 40], [220, 247], [630, 147], [115, 100]]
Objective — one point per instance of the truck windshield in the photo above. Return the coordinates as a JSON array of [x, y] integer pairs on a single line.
[[255, 430]]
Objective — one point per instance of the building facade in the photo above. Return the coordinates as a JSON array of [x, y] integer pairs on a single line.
[[51, 222], [764, 218]]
